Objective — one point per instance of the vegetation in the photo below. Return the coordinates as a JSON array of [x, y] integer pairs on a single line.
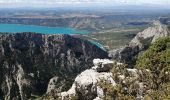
[[152, 81], [126, 88], [114, 39], [107, 88], [153, 74], [157, 60], [117, 92], [155, 66]]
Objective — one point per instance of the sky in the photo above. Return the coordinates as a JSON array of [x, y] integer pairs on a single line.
[[58, 3]]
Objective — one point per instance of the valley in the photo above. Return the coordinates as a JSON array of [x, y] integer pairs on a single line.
[[110, 53], [112, 29]]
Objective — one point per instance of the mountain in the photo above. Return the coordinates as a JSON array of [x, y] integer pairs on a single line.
[[147, 81], [147, 78], [140, 43], [29, 61], [37, 66]]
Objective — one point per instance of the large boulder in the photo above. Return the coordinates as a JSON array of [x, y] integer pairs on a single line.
[[86, 84], [102, 65]]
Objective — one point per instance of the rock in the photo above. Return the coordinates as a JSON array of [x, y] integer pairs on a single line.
[[97, 98], [132, 72], [100, 93], [31, 62], [139, 43], [150, 34], [52, 84], [102, 65], [85, 84], [126, 54]]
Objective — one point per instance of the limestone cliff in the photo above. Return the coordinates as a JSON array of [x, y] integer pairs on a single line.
[[29, 61], [140, 43]]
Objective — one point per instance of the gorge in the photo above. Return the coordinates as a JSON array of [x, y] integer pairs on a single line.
[[28, 62]]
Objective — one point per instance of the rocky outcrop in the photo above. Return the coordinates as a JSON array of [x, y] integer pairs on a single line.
[[140, 43], [150, 34], [86, 84], [102, 65], [31, 64]]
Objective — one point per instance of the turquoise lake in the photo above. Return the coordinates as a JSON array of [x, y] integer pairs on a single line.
[[17, 28]]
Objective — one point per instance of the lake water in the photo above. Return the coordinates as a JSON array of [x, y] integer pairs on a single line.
[[17, 28], [98, 45]]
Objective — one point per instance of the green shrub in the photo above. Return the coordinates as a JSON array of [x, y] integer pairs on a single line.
[[163, 94], [117, 92], [157, 60], [157, 56]]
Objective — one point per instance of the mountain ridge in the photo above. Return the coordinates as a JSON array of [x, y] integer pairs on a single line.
[[140, 43], [28, 62]]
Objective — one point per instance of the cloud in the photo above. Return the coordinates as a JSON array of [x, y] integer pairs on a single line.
[[54, 3]]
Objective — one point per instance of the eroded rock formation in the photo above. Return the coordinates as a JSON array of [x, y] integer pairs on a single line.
[[29, 62], [140, 43]]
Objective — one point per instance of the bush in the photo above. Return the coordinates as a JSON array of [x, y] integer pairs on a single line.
[[157, 60], [164, 94]]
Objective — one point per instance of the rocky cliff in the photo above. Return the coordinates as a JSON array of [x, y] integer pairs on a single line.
[[95, 84], [30, 62], [86, 84], [140, 43], [110, 80]]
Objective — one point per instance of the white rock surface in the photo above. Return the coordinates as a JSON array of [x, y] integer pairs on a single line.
[[140, 43], [89, 79], [91, 76], [156, 31], [97, 98], [103, 61], [133, 72], [86, 82], [102, 65], [51, 84], [100, 93]]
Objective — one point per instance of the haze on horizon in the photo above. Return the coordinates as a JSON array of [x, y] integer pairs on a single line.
[[79, 3]]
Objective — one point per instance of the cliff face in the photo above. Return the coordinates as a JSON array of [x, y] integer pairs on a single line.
[[111, 80], [140, 43], [28, 61]]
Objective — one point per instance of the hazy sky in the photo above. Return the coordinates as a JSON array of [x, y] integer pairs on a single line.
[[56, 3]]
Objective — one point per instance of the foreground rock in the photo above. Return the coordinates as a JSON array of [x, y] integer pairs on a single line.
[[30, 62], [140, 43], [85, 84]]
